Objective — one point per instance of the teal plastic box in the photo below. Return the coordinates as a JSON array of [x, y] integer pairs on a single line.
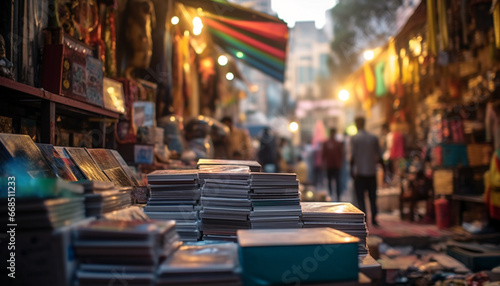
[[292, 256]]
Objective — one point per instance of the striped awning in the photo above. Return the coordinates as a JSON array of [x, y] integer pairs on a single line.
[[255, 38]]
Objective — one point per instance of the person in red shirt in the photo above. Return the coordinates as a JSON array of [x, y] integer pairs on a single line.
[[333, 156]]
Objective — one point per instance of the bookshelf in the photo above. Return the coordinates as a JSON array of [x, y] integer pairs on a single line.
[[23, 100]]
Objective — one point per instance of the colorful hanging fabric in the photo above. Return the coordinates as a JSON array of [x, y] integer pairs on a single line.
[[496, 24], [360, 88], [406, 72], [380, 89], [443, 24], [392, 72], [431, 28], [369, 78]]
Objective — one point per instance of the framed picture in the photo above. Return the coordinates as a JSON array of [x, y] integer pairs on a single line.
[[143, 154], [114, 98], [144, 113], [94, 81]]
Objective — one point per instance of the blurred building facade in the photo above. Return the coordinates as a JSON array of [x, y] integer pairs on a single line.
[[308, 80]]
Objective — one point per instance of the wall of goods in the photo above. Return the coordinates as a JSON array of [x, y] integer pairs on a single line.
[[94, 73], [77, 82], [84, 228], [438, 83]]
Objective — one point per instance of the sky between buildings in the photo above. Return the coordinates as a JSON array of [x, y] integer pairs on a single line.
[[292, 11]]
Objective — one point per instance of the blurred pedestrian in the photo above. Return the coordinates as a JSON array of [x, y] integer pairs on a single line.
[[240, 146], [268, 152], [365, 154], [333, 159]]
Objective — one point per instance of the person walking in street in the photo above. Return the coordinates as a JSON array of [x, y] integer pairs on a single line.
[[333, 155], [240, 146], [268, 152], [365, 154]]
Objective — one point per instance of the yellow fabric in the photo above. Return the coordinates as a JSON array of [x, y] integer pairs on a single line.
[[431, 28], [443, 25], [496, 25], [392, 69], [369, 78]]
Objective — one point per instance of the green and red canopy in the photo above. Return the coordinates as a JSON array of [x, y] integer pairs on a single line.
[[258, 39]]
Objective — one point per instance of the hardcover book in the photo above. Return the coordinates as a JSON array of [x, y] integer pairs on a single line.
[[56, 162], [19, 154], [86, 164], [69, 162], [110, 166], [125, 167]]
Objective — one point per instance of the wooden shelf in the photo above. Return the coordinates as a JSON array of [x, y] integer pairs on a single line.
[[20, 91], [18, 97]]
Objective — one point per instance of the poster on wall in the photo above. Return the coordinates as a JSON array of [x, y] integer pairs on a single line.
[[94, 81], [113, 95], [144, 113]]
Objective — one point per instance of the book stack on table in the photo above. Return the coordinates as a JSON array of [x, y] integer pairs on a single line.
[[341, 216], [225, 200], [198, 265], [275, 200], [130, 251], [104, 197], [175, 196], [253, 165], [37, 214]]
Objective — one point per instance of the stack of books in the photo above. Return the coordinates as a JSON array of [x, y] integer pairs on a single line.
[[225, 200], [275, 200], [36, 214], [104, 197], [175, 196], [212, 264], [253, 165], [341, 216], [127, 252]]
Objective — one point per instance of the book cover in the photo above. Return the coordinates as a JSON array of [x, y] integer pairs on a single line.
[[56, 162], [69, 162], [20, 154], [125, 167], [94, 81], [86, 164], [281, 237], [118, 176]]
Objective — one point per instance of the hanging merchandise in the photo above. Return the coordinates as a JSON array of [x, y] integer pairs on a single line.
[[443, 24], [178, 74], [431, 28], [400, 89], [492, 184], [391, 71], [380, 88], [496, 24], [406, 72], [360, 88], [415, 78], [454, 88], [367, 106], [109, 38], [369, 78]]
